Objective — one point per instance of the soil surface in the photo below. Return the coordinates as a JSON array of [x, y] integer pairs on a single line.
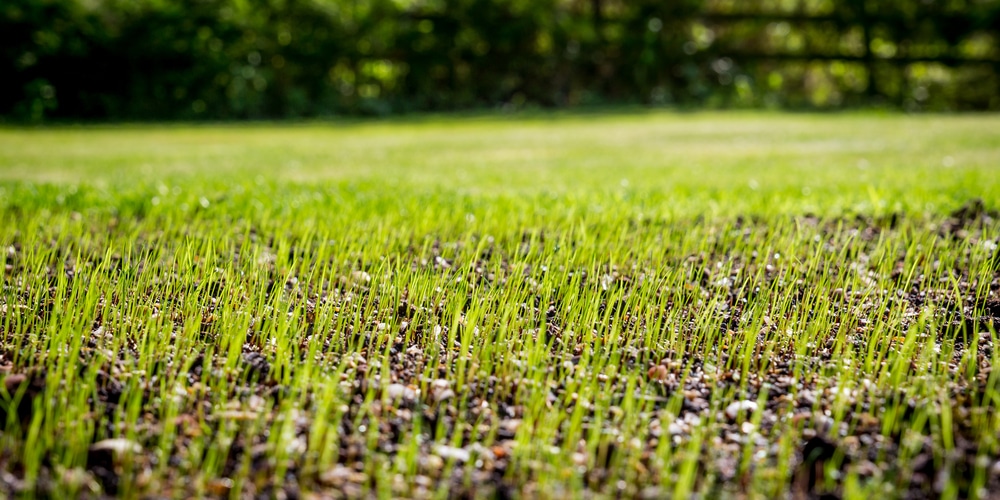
[[469, 438]]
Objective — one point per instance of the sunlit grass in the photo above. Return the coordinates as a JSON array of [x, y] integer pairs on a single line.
[[644, 304]]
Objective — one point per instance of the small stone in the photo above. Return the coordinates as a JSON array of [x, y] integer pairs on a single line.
[[675, 428], [651, 492], [220, 487], [696, 405], [658, 373], [443, 395], [867, 469], [397, 391], [117, 445], [441, 390], [256, 402], [511, 425], [76, 477], [433, 463], [13, 381], [236, 415], [734, 409], [807, 398], [336, 476], [452, 453]]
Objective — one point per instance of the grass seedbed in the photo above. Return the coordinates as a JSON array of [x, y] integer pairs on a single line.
[[642, 305]]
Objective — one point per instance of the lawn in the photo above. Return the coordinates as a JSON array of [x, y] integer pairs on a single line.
[[558, 305]]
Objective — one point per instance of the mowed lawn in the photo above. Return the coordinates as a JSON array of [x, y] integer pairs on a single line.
[[628, 304]]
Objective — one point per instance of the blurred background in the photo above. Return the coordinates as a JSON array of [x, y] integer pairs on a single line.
[[265, 59]]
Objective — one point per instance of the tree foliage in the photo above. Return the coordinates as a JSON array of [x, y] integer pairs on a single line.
[[234, 59]]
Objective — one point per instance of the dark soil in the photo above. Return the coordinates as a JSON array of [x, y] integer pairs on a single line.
[[860, 443]]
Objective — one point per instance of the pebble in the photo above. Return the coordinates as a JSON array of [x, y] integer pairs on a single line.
[[651, 492], [220, 487], [675, 428], [867, 469], [117, 445], [441, 390], [734, 409], [450, 452], [236, 415], [13, 381], [340, 475], [807, 398], [433, 463], [398, 391], [443, 395]]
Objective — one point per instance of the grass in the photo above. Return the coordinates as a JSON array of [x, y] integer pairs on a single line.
[[640, 304]]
